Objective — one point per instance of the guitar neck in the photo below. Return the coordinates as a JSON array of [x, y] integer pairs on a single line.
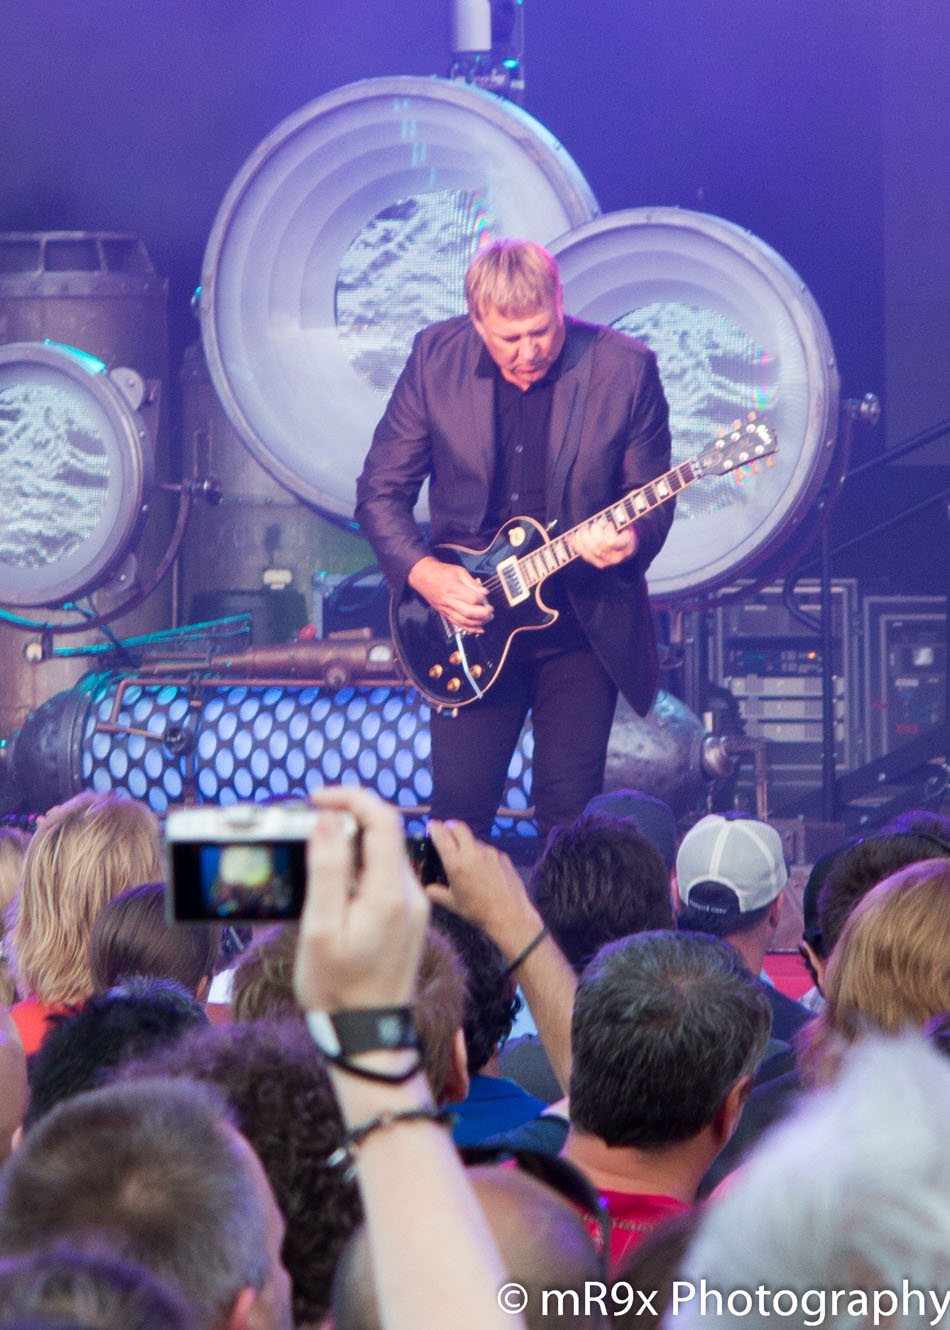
[[559, 551]]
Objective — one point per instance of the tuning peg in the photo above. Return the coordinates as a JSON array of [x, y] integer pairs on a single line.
[[770, 461]]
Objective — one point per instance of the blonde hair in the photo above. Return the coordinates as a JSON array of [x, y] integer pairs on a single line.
[[13, 843], [515, 277], [83, 853], [889, 969]]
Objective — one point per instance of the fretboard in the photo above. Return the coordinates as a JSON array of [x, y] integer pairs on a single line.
[[540, 563]]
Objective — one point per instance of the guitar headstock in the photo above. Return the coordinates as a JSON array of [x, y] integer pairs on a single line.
[[747, 442]]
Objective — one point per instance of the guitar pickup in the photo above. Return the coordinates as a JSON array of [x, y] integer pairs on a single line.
[[515, 587]]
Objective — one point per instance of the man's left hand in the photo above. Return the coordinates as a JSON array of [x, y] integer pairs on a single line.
[[600, 543]]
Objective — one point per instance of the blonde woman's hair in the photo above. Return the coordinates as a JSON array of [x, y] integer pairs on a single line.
[[515, 277], [82, 854], [13, 843], [889, 969]]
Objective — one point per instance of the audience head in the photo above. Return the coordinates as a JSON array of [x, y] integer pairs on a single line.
[[13, 845], [859, 867], [439, 1006], [491, 1001], [812, 946], [651, 1269], [86, 1290], [544, 1244], [263, 989], [14, 1086], [131, 936], [155, 1171], [851, 1193], [600, 879], [651, 816], [889, 969], [81, 1048], [276, 1083], [921, 822], [730, 872], [263, 983], [82, 854], [667, 1028]]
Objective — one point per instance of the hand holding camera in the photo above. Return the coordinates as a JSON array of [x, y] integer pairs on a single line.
[[365, 914]]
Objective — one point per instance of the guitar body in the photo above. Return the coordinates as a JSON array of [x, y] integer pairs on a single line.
[[426, 642], [452, 667]]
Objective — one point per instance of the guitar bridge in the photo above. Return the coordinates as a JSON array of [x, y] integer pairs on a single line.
[[514, 584]]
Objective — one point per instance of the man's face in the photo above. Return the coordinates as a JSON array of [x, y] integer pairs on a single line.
[[524, 349]]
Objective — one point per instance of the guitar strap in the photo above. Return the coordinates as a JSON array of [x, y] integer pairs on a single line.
[[581, 350]]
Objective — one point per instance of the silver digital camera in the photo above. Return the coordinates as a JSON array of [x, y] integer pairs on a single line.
[[242, 863]]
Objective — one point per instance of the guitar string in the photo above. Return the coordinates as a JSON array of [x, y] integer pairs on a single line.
[[494, 582], [683, 473]]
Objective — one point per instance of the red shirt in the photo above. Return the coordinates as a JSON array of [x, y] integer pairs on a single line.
[[31, 1018], [632, 1216]]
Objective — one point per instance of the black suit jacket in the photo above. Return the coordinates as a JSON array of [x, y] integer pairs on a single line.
[[609, 434]]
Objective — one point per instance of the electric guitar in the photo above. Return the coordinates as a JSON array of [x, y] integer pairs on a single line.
[[452, 666]]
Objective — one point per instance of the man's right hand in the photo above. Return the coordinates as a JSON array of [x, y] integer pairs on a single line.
[[452, 592]]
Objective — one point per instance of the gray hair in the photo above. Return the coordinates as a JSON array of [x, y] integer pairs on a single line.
[[852, 1193], [665, 1024], [516, 277], [153, 1169]]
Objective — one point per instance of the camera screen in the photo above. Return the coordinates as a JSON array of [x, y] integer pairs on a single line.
[[238, 882]]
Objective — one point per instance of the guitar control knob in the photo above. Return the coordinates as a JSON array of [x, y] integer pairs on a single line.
[[477, 671], [453, 685], [435, 672], [455, 658]]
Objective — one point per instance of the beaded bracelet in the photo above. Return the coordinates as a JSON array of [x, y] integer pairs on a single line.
[[347, 1153]]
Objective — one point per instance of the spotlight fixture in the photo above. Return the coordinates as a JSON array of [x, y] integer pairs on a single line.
[[734, 329], [76, 468], [347, 230]]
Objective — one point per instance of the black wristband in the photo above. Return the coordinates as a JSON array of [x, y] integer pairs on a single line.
[[535, 942], [341, 1035], [382, 1077]]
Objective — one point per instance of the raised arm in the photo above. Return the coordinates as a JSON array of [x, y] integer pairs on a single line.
[[360, 939], [486, 889]]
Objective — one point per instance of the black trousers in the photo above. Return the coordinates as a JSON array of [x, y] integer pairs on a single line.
[[571, 699]]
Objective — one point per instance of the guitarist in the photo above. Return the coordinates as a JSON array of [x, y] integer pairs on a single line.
[[517, 410]]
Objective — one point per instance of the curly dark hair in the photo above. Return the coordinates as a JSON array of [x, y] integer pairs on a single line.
[[83, 1046], [277, 1084], [491, 1003]]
